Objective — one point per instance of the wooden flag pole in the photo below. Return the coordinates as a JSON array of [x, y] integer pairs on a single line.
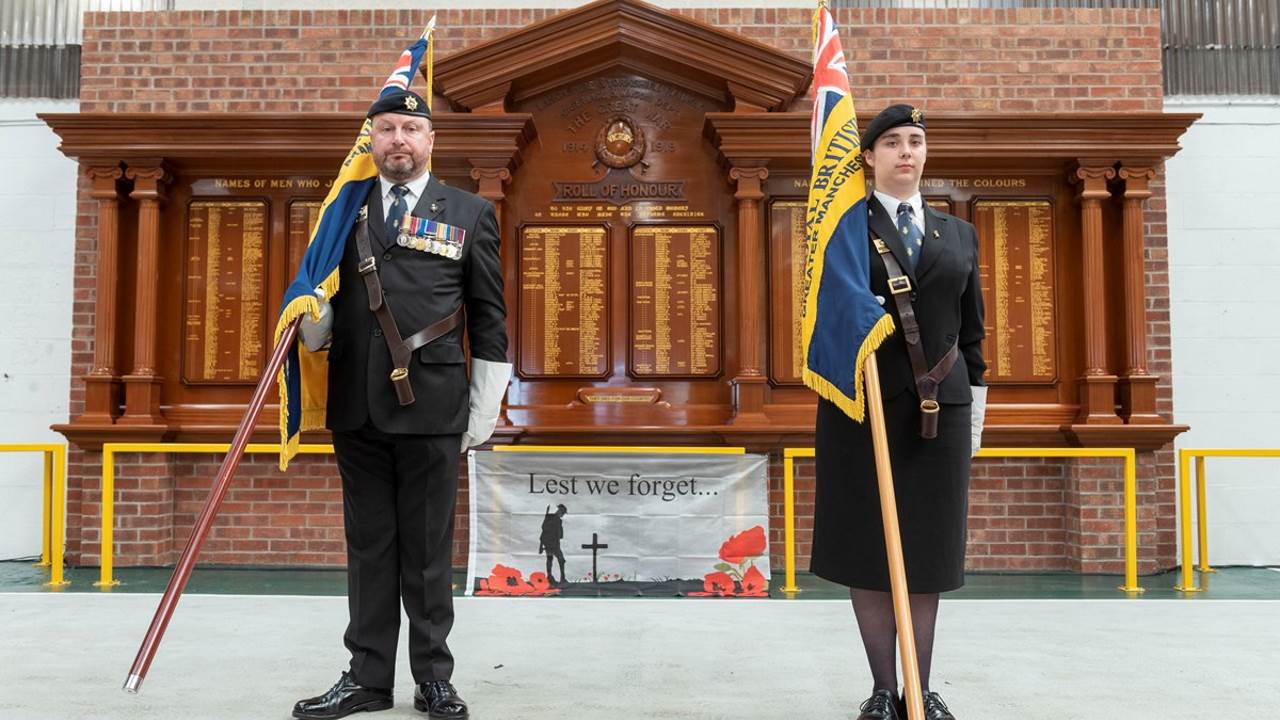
[[187, 562], [893, 544]]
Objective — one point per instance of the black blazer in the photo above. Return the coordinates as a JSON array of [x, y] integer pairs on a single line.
[[947, 298], [421, 288]]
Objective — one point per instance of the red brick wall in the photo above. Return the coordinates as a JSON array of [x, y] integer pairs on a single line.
[[1025, 515], [1024, 60]]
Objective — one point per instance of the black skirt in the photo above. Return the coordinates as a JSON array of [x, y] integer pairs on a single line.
[[931, 483]]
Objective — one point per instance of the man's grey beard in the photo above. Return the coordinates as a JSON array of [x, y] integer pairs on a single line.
[[400, 172]]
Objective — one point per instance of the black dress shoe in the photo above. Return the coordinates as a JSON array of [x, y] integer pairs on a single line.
[[345, 697], [440, 701], [882, 705], [935, 709]]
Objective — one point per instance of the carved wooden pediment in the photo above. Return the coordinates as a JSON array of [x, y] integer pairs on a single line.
[[627, 34]]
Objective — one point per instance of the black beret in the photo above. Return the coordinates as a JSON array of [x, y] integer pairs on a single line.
[[889, 118], [403, 102]]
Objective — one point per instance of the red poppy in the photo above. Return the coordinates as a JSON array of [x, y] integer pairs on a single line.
[[505, 580], [539, 582], [717, 584], [754, 584], [747, 544]]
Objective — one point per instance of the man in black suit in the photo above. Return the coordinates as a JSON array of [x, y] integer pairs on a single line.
[[402, 410]]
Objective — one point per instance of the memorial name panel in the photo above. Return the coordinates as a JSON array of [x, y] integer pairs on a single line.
[[224, 292], [1016, 257], [786, 290], [562, 331], [675, 301], [303, 216]]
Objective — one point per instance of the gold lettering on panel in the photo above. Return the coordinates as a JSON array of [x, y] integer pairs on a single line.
[[1016, 255], [562, 301], [223, 339], [303, 216], [787, 252], [675, 301]]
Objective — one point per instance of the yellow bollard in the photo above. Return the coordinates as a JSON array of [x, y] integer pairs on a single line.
[[53, 505], [46, 511], [1188, 583], [57, 541], [1202, 516], [1131, 522], [789, 519], [108, 504]]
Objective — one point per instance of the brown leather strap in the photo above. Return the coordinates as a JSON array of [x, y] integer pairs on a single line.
[[401, 350], [400, 357], [927, 381], [434, 331]]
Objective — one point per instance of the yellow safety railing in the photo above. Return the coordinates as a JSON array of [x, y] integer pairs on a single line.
[[1185, 455], [109, 452], [789, 456], [53, 511], [643, 449]]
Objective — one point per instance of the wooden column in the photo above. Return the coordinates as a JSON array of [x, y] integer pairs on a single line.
[[101, 385], [1137, 387], [489, 185], [490, 181], [1097, 386], [142, 384], [749, 383]]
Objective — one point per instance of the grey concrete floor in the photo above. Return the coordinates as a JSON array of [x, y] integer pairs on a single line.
[[65, 656]]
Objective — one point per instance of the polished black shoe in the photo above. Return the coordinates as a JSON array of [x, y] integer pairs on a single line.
[[440, 701], [935, 709], [345, 697], [882, 705]]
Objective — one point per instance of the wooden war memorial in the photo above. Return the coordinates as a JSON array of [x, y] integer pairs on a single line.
[[650, 173]]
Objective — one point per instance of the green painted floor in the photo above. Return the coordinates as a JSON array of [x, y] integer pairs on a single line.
[[1242, 583]]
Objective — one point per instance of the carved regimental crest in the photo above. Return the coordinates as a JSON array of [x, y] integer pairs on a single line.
[[620, 143]]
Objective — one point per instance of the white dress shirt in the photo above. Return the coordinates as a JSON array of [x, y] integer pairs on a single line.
[[417, 186], [891, 204]]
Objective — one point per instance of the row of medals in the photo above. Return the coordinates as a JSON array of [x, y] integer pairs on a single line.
[[429, 243]]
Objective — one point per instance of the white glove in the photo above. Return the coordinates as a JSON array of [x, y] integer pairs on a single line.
[[317, 333], [978, 415], [488, 383]]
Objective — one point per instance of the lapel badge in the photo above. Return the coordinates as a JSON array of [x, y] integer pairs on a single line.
[[936, 235], [363, 214], [435, 207]]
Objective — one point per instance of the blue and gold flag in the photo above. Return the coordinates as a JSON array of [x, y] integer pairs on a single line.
[[842, 321], [304, 376]]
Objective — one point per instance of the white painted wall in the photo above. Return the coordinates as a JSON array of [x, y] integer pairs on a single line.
[[1224, 282], [37, 244]]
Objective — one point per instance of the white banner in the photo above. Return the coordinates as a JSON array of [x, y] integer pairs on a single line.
[[627, 524]]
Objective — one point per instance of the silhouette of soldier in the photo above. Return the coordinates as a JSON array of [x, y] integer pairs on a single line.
[[549, 541]]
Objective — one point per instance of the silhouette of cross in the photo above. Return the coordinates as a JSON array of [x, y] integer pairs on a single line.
[[594, 547]]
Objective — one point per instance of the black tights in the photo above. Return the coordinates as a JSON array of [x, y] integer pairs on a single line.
[[874, 611]]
